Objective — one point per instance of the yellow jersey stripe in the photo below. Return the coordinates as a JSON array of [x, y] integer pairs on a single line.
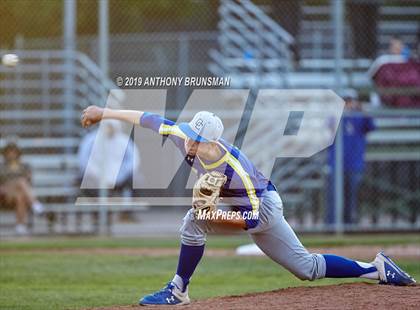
[[215, 164], [240, 171], [171, 130], [246, 180]]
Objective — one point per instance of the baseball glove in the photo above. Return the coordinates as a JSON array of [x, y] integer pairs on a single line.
[[206, 192]]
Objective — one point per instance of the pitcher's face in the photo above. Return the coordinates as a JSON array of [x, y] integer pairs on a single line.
[[191, 146]]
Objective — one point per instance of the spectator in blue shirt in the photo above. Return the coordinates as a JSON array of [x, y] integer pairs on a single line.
[[355, 126]]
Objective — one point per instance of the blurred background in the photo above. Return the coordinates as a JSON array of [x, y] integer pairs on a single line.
[[71, 53]]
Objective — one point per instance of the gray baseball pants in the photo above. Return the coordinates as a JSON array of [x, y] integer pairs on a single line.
[[273, 235]]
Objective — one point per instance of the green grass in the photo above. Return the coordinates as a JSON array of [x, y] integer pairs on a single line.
[[57, 281], [53, 280], [223, 242]]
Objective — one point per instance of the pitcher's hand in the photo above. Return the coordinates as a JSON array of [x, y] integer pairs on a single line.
[[91, 115]]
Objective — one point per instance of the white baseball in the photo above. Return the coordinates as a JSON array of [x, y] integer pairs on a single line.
[[10, 60]]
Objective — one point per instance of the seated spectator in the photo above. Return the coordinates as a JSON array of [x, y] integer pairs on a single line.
[[15, 186], [396, 76], [397, 47]]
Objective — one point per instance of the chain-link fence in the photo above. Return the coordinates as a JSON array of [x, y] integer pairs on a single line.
[[380, 175], [369, 180]]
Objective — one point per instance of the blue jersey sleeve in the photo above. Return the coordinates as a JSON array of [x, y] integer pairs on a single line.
[[154, 121], [164, 127]]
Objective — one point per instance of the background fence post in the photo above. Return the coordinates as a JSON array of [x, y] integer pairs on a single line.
[[183, 68], [103, 36], [69, 37], [337, 14]]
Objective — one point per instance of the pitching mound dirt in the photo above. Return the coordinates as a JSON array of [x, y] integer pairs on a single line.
[[345, 296]]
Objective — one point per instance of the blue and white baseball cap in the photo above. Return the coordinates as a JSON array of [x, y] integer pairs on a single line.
[[204, 127]]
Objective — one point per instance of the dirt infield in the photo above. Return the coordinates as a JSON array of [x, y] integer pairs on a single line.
[[344, 296]]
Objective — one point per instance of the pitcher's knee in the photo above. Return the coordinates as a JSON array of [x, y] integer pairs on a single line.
[[305, 275], [192, 232], [193, 240], [312, 268]]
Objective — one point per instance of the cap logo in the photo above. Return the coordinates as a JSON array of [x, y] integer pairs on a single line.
[[199, 124]]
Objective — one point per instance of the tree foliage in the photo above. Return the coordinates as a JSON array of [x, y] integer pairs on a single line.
[[44, 18]]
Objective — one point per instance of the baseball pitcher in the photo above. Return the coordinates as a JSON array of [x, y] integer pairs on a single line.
[[225, 172]]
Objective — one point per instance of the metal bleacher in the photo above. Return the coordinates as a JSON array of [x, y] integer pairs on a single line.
[[316, 44], [36, 106], [252, 46], [315, 38], [299, 179]]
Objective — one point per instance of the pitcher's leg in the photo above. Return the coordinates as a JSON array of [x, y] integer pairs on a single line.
[[193, 239], [281, 244], [193, 232]]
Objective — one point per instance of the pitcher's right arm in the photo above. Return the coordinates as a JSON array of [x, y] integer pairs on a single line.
[[94, 114]]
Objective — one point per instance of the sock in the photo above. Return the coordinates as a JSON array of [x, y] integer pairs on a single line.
[[179, 283], [189, 257], [341, 267]]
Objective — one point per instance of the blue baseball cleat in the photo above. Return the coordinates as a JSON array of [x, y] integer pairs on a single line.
[[169, 295], [390, 273]]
